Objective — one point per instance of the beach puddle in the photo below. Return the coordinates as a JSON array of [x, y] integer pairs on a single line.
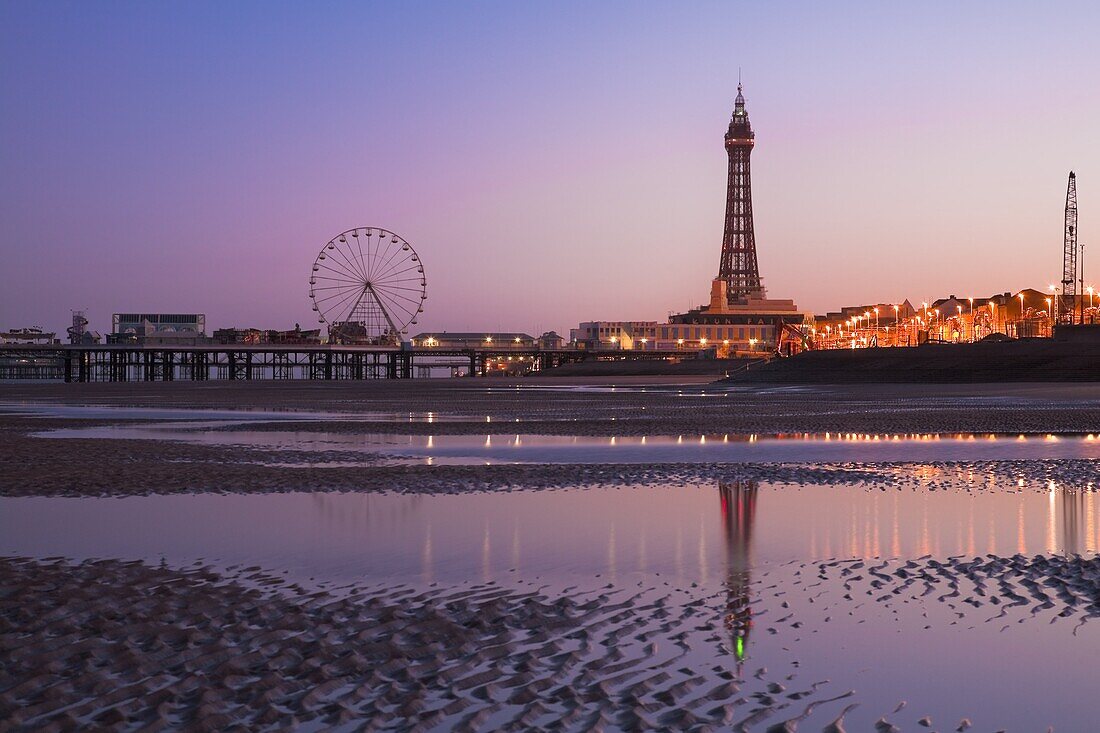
[[502, 448], [736, 602]]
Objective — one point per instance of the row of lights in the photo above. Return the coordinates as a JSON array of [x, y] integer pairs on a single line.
[[431, 341], [680, 342]]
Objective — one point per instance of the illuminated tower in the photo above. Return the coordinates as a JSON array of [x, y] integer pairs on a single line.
[[738, 269]]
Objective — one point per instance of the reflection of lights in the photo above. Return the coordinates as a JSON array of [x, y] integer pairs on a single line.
[[702, 440], [431, 441], [488, 441]]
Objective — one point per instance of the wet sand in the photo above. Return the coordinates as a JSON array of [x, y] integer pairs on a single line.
[[124, 646], [92, 467]]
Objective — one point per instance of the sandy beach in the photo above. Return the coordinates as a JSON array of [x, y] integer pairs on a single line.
[[149, 640]]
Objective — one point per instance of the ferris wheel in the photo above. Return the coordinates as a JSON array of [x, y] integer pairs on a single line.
[[368, 285]]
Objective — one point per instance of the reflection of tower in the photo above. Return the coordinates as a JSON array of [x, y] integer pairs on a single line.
[[738, 267], [738, 514]]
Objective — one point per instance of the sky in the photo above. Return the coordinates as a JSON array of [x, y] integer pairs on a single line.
[[550, 162]]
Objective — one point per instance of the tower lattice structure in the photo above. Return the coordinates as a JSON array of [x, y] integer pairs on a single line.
[[738, 267]]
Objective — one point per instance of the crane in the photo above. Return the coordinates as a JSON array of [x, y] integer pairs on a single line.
[[1069, 253]]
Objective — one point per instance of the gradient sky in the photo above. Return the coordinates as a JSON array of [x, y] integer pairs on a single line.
[[552, 162]]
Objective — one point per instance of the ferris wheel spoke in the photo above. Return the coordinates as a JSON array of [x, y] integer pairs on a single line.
[[349, 257], [375, 251], [337, 303], [326, 266], [396, 301], [340, 292], [331, 263], [384, 270], [337, 280], [359, 246], [402, 287], [402, 284], [397, 298], [384, 264], [393, 271], [329, 287], [380, 251], [403, 297]]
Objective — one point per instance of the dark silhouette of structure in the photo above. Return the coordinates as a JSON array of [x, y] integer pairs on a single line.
[[1069, 254], [738, 516], [738, 267]]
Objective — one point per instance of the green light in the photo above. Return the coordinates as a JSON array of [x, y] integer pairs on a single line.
[[740, 651]]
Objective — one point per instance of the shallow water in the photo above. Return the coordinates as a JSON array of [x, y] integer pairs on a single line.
[[684, 533]]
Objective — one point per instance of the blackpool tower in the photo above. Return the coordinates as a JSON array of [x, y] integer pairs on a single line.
[[738, 269]]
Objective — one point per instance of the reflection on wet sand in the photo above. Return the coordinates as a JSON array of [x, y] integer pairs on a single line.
[[738, 500], [1079, 531]]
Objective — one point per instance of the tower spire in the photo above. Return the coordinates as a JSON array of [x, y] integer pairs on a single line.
[[738, 266]]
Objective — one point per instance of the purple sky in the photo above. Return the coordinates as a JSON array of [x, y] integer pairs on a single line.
[[551, 162]]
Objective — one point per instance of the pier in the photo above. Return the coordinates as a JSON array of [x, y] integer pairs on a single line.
[[130, 363]]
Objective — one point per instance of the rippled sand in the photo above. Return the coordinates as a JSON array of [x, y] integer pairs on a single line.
[[123, 645]]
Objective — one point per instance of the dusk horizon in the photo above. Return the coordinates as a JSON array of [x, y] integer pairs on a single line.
[[192, 160]]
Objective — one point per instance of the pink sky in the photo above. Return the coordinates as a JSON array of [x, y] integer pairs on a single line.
[[551, 164]]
